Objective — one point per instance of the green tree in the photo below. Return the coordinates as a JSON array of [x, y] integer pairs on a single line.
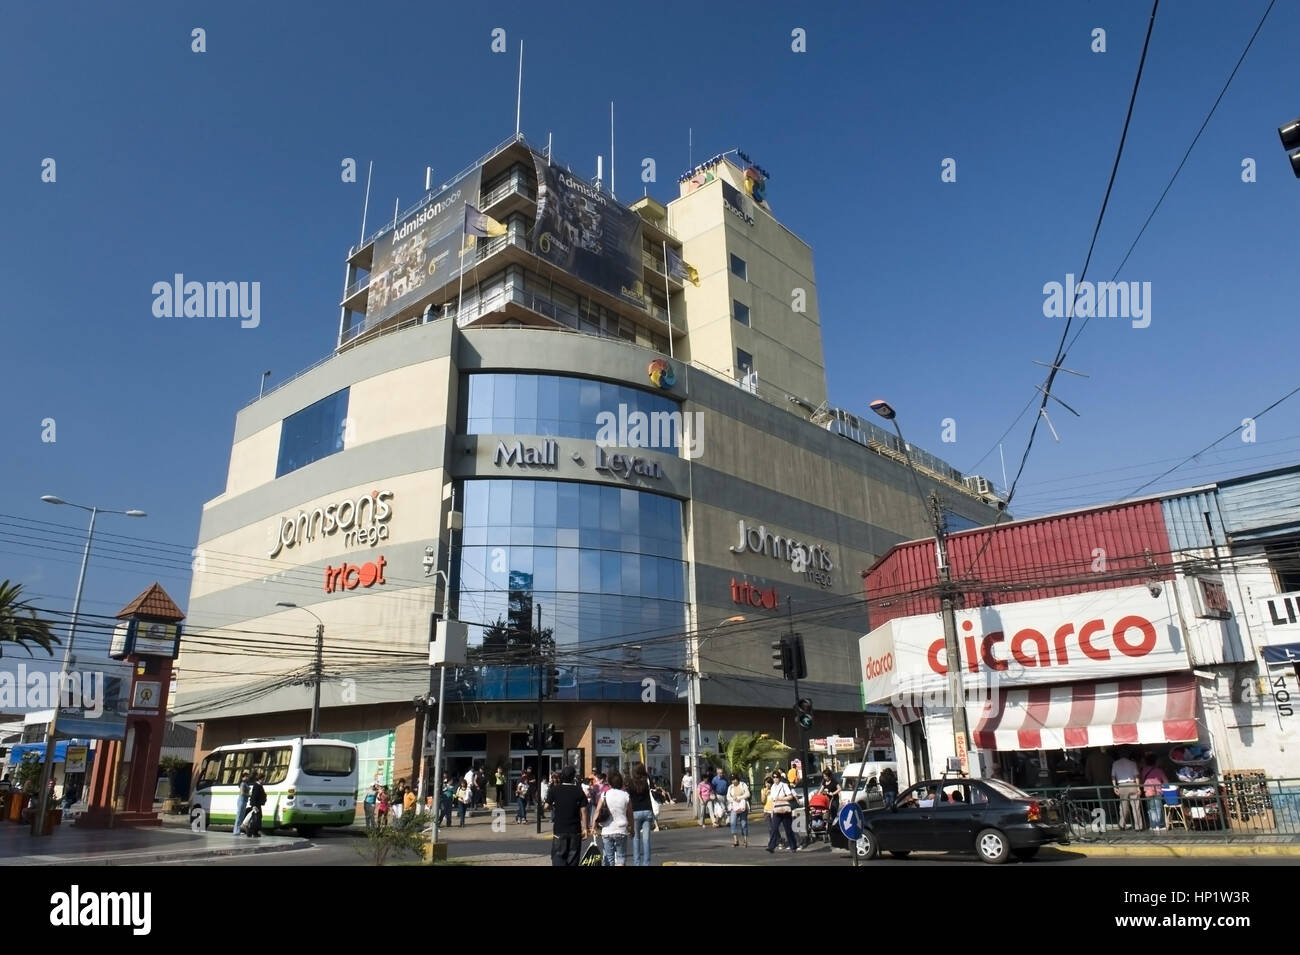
[[19, 622], [742, 752]]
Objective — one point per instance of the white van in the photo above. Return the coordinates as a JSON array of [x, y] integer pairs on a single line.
[[865, 778]]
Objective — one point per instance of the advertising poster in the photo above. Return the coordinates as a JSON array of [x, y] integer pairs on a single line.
[[588, 234], [423, 251]]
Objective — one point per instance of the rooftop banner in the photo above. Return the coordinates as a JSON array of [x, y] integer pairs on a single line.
[[422, 251], [588, 233]]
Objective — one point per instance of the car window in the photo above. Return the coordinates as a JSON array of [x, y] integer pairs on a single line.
[[953, 794], [915, 798]]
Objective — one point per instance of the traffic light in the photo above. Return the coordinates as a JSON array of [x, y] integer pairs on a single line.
[[803, 713], [550, 680], [799, 663], [783, 658], [548, 738], [531, 742], [1290, 136]]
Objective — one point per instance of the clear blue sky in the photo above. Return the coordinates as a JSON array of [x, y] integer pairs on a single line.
[[225, 166]]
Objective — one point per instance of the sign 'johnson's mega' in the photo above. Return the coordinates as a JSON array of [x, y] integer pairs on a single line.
[[1096, 636], [363, 522]]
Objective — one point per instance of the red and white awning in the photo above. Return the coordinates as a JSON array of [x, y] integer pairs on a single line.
[[902, 715], [1159, 709]]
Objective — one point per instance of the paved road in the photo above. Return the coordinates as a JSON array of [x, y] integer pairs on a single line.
[[690, 847]]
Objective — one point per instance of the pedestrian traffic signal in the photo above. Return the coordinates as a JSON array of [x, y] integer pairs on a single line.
[[803, 713], [548, 738], [783, 658], [531, 741]]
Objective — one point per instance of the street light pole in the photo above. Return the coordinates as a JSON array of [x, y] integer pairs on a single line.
[[318, 668], [952, 650], [47, 769]]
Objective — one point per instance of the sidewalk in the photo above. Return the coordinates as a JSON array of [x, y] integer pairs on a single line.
[[70, 845]]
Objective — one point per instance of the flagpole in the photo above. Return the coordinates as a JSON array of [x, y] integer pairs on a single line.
[[460, 292], [668, 300], [519, 92]]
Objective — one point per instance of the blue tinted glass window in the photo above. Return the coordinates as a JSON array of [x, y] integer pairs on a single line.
[[619, 588], [313, 433]]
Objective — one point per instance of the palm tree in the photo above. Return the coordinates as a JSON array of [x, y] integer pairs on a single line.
[[744, 751], [19, 623]]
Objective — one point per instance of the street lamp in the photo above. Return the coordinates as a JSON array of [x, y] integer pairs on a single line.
[[960, 731], [47, 770], [320, 653], [693, 692]]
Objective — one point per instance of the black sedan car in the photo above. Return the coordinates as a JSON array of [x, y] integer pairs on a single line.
[[989, 817]]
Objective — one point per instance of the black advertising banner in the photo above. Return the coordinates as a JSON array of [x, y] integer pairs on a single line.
[[736, 202], [423, 250], [588, 234]]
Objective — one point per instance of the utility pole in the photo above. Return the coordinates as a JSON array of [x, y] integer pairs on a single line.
[[541, 744], [796, 659], [956, 696], [319, 670]]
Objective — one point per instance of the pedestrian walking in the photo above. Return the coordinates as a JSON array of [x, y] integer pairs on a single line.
[[738, 803], [241, 802], [256, 800], [617, 824], [500, 783], [369, 804], [783, 799], [569, 819], [522, 791], [643, 814], [381, 807]]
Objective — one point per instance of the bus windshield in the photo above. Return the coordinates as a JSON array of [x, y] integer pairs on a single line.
[[329, 760]]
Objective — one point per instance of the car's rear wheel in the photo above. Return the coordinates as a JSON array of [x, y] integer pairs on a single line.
[[866, 847], [900, 853], [1026, 854], [992, 846]]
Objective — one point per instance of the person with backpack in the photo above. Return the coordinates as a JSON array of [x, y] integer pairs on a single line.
[[256, 800]]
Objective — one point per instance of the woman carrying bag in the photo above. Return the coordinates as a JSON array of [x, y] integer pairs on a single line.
[[783, 800], [738, 803]]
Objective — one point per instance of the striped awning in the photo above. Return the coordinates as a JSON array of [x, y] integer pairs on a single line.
[[902, 715], [1158, 709]]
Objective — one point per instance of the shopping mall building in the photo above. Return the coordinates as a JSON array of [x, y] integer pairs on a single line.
[[522, 437]]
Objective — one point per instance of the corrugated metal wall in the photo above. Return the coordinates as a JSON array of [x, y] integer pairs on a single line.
[[1185, 517], [1029, 560], [1262, 505]]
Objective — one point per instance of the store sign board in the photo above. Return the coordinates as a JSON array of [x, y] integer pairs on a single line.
[[1083, 637]]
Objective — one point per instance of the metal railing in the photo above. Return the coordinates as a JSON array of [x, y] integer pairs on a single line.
[[1225, 806]]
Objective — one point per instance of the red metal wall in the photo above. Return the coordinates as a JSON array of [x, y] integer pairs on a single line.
[[1027, 560]]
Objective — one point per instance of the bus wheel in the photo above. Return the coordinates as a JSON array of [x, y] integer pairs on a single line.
[[308, 831]]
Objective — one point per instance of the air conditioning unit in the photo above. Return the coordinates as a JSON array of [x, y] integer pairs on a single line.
[[980, 485]]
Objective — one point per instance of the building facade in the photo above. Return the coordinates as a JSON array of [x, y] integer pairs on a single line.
[[524, 442], [1150, 625]]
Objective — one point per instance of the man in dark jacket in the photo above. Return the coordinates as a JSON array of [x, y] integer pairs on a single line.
[[570, 807], [256, 800]]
